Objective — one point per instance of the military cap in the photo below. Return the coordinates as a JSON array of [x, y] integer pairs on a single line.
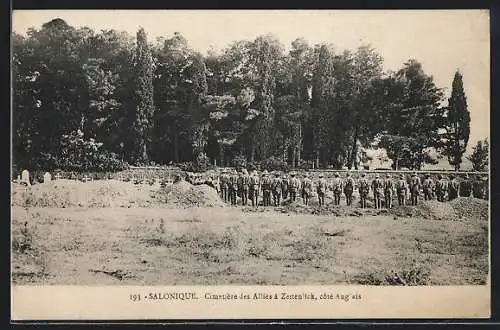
[[292, 174], [388, 175], [401, 176], [336, 174], [377, 176], [277, 174], [484, 178], [363, 175], [440, 176], [320, 175], [264, 172], [305, 175], [466, 175]]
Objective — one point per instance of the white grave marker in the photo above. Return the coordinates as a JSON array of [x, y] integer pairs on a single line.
[[25, 177], [47, 177]]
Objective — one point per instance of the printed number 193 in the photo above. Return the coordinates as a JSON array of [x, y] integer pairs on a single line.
[[135, 297]]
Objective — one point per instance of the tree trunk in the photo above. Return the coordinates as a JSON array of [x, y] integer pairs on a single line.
[[299, 147], [176, 147], [354, 149], [221, 155], [294, 156], [317, 158], [252, 149]]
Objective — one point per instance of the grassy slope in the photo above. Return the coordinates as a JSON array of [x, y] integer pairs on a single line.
[[225, 246]]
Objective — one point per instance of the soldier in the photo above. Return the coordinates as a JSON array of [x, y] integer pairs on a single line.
[[243, 182], [276, 189], [453, 188], [465, 187], [266, 188], [293, 187], [348, 189], [428, 187], [253, 188], [233, 188], [415, 185], [337, 189], [364, 189], [306, 188], [441, 188], [486, 188], [377, 188], [224, 185], [478, 189], [388, 191], [302, 191], [402, 190], [284, 186], [321, 190]]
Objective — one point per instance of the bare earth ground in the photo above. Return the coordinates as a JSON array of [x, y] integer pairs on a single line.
[[158, 245]]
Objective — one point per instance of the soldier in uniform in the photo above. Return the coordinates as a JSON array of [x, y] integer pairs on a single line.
[[453, 188], [306, 188], [465, 187], [441, 188], [478, 190], [243, 181], [388, 191], [428, 187], [293, 187], [337, 189], [364, 189], [415, 185], [233, 188], [266, 188], [377, 188], [348, 188], [276, 189], [224, 186], [253, 188], [402, 190], [284, 186], [486, 188], [321, 190]]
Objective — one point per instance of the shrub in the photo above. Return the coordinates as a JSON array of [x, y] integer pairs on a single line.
[[80, 154], [305, 164], [240, 161], [274, 164]]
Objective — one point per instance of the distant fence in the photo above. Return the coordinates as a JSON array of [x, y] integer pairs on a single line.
[[168, 172]]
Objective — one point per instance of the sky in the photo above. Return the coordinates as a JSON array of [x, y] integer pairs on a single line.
[[444, 41]]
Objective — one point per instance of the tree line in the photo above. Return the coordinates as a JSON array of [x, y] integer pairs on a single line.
[[97, 100]]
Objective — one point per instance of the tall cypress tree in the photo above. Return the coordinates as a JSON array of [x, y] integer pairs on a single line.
[[143, 100], [457, 123]]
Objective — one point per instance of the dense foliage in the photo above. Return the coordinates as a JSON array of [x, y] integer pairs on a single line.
[[479, 156], [253, 103]]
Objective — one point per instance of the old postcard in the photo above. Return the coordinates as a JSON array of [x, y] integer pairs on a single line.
[[262, 164]]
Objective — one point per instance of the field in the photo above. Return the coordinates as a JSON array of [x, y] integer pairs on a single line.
[[111, 232]]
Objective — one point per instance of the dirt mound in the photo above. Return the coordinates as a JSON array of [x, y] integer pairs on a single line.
[[68, 193], [184, 194], [470, 207], [426, 209]]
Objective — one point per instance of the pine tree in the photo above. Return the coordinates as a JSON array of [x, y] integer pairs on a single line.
[[143, 100], [479, 156], [457, 124]]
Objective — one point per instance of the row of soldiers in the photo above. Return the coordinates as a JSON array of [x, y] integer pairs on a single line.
[[276, 188]]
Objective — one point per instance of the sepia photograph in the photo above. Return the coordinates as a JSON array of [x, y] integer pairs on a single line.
[[250, 148]]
